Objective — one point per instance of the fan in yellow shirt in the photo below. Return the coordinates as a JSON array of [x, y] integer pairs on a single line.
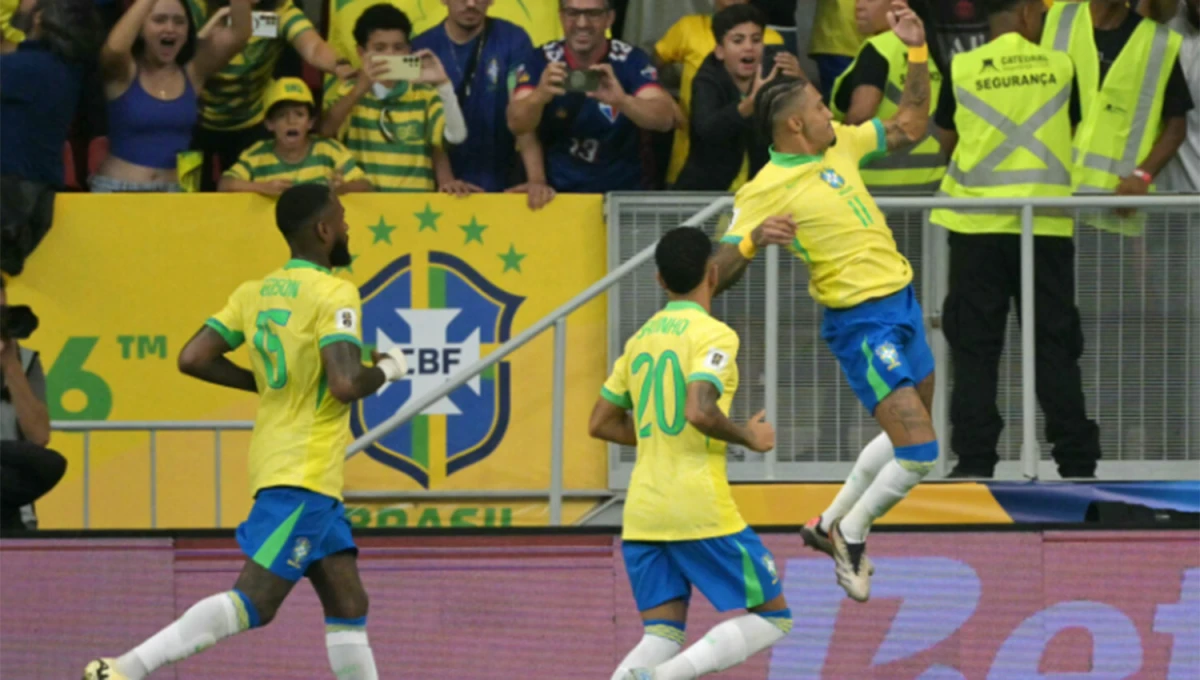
[[294, 156], [669, 394], [810, 198], [689, 42]]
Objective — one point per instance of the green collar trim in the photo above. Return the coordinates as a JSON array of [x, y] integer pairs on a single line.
[[791, 160], [304, 264], [681, 305]]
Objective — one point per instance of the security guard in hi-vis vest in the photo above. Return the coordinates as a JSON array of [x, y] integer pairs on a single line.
[[1132, 93], [1006, 112], [871, 88]]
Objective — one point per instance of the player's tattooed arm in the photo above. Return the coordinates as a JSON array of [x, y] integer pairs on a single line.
[[776, 230], [731, 264], [612, 423], [204, 357], [706, 415], [348, 379], [911, 122]]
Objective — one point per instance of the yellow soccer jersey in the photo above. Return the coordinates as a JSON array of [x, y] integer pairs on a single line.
[[300, 432], [326, 157], [392, 138], [232, 98], [841, 234], [679, 490]]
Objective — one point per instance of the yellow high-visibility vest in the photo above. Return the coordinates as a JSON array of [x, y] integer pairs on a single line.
[[1014, 135], [1121, 116], [918, 168]]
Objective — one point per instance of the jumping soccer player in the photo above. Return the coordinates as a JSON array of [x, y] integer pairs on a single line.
[[681, 526], [811, 199], [307, 369]]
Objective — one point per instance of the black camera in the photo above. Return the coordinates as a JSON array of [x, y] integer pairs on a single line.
[[17, 322]]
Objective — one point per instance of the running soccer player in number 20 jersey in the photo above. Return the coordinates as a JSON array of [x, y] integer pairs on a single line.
[[810, 198], [669, 394], [306, 356]]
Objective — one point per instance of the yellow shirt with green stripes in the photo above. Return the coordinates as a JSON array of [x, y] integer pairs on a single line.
[[326, 157], [232, 99], [679, 490], [300, 430], [392, 138]]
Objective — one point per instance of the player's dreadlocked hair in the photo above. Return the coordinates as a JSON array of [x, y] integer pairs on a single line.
[[300, 208], [774, 98]]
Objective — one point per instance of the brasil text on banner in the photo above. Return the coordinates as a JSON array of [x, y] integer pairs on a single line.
[[123, 281]]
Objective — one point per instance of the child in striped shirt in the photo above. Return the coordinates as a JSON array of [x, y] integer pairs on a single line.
[[294, 155], [396, 128]]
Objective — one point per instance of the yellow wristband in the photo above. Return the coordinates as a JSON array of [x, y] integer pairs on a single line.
[[918, 55], [746, 248]]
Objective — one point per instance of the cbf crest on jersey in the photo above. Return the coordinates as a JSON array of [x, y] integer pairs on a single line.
[[440, 333]]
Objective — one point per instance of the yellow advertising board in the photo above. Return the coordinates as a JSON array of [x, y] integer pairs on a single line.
[[122, 281], [936, 503]]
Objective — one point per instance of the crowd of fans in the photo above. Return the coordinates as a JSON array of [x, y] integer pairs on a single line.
[[202, 94]]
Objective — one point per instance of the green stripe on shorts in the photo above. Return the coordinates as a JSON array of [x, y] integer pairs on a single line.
[[754, 592], [267, 553], [880, 387]]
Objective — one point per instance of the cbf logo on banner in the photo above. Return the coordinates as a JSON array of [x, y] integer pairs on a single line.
[[439, 335]]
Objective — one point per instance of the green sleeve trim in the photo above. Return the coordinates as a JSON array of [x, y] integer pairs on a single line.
[[233, 338], [871, 158], [731, 239], [710, 378], [339, 337], [880, 136], [621, 400]]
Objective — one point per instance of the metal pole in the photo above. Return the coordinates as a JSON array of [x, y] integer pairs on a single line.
[[153, 479], [771, 370], [558, 396], [460, 378], [1030, 451], [87, 478], [937, 268], [217, 476]]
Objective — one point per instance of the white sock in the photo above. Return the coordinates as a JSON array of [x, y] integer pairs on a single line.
[[209, 620], [874, 456], [350, 654], [891, 485], [651, 651], [726, 645]]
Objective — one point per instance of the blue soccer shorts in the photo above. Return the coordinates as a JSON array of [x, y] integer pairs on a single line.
[[880, 345], [733, 572], [289, 528]]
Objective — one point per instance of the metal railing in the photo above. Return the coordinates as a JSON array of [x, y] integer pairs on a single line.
[[786, 369], [152, 428], [761, 346]]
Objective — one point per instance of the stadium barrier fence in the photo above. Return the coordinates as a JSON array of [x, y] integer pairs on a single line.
[[1139, 302], [1171, 241]]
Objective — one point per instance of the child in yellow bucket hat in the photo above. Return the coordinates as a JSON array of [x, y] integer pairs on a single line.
[[294, 155]]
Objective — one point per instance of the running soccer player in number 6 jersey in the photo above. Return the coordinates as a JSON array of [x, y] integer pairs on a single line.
[[303, 325], [669, 394], [810, 198]]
